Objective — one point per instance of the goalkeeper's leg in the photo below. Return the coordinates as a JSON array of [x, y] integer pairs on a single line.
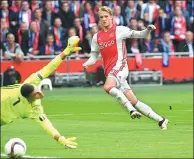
[[54, 64], [51, 66]]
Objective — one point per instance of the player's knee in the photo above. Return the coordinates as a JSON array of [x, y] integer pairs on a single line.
[[107, 88]]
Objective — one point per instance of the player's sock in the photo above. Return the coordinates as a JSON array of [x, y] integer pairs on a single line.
[[147, 111], [121, 98]]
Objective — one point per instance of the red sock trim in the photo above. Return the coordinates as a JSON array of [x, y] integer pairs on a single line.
[[108, 90]]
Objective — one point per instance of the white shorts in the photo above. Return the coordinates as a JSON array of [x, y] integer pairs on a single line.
[[121, 78]]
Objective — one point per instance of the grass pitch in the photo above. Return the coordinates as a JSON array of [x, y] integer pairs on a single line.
[[104, 128]]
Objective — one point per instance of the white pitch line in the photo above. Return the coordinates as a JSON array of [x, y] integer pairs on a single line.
[[27, 156], [119, 113], [70, 114]]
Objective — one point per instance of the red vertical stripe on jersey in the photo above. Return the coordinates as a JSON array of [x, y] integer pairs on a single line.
[[124, 52]]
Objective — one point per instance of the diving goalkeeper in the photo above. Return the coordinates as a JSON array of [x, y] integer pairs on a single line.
[[24, 100]]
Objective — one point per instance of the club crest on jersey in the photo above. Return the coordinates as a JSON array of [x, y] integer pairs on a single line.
[[103, 45]]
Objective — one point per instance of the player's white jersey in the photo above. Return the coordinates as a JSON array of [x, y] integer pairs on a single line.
[[111, 45]]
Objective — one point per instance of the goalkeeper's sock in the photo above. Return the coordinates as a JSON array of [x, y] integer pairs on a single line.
[[121, 98], [147, 111]]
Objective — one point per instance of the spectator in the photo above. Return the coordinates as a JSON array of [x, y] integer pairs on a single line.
[[96, 7], [110, 3], [55, 6], [140, 25], [162, 23], [168, 48], [147, 45], [35, 5], [134, 47], [67, 16], [50, 47], [131, 12], [167, 44], [75, 8], [12, 49], [33, 40], [72, 32], [48, 14], [5, 11], [4, 30], [178, 28], [42, 26], [146, 19], [118, 18], [25, 14], [139, 4], [88, 39], [157, 47], [188, 44], [89, 17], [15, 7], [167, 5], [59, 34], [133, 24], [22, 37], [11, 18], [152, 9], [185, 13], [79, 29]]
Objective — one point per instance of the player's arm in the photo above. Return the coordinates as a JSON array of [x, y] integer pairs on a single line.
[[50, 129], [37, 114], [144, 33], [94, 53], [128, 33], [54, 64]]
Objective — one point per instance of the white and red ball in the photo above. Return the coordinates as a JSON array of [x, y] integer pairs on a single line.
[[15, 147]]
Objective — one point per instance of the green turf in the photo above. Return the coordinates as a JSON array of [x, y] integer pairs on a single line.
[[104, 129]]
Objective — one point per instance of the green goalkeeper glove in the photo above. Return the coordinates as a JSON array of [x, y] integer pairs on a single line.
[[72, 45], [68, 142]]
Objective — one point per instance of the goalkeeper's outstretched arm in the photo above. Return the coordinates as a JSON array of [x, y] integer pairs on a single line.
[[49, 128]]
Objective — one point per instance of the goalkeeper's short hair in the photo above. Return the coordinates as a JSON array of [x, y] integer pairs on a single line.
[[26, 90]]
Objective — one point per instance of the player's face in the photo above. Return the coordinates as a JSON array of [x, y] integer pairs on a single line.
[[37, 94], [105, 19]]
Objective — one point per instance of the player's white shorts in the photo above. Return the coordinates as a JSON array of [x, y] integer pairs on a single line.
[[121, 78]]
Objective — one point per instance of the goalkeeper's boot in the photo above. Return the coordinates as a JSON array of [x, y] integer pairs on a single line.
[[163, 124], [135, 114]]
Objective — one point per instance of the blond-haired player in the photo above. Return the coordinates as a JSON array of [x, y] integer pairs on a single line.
[[110, 43], [24, 100]]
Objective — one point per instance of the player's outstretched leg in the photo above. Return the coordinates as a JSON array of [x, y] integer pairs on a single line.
[[116, 93], [146, 110]]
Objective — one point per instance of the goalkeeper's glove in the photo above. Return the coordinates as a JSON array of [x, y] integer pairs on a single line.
[[68, 142], [72, 45]]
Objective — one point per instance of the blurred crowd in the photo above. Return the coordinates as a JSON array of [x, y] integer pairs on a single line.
[[31, 28]]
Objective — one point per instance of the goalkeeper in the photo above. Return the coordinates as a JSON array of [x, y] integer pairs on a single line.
[[24, 100]]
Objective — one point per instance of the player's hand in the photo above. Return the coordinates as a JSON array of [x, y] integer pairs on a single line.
[[72, 45], [151, 27], [84, 67], [68, 142]]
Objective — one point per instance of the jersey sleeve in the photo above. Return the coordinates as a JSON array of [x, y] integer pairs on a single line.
[[94, 45], [125, 32], [37, 110]]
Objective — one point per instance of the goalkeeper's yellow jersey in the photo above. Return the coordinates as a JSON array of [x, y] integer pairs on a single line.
[[14, 105]]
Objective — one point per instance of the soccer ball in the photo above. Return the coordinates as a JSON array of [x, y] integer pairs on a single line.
[[15, 147]]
